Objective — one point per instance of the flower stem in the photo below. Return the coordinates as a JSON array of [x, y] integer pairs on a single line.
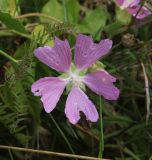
[[8, 57], [101, 141]]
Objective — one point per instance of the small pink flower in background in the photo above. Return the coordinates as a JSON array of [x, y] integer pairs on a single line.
[[132, 7], [60, 58]]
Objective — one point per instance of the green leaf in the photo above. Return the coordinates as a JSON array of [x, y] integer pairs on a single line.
[[13, 7], [55, 9], [3, 5], [12, 23], [39, 34], [10, 6], [52, 8], [21, 51], [114, 29], [123, 16], [73, 12], [118, 119], [93, 21], [129, 152]]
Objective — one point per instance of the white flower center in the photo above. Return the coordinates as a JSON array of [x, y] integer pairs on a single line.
[[75, 78]]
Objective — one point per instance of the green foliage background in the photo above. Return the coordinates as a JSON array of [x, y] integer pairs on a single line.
[[25, 25]]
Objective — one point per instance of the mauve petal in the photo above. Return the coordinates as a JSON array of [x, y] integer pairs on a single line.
[[58, 57], [134, 3], [126, 4], [101, 82], [144, 12], [119, 2], [87, 52], [78, 101], [50, 90], [130, 3]]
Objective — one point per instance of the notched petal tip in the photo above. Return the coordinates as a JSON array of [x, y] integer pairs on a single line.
[[114, 95], [50, 90], [107, 43], [37, 51], [73, 121], [87, 52], [36, 92], [80, 35], [57, 57], [57, 40], [77, 102], [47, 107], [35, 87], [117, 93], [41, 52], [101, 82]]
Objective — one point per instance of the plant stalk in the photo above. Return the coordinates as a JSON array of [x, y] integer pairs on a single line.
[[8, 57], [101, 141]]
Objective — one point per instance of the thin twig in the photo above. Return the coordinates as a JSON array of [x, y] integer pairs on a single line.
[[49, 153], [147, 92], [38, 15], [87, 132]]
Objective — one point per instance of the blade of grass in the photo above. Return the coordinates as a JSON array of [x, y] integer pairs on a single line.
[[10, 154], [127, 151], [147, 92], [63, 135], [101, 141]]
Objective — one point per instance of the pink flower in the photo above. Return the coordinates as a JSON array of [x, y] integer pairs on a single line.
[[60, 58], [132, 7]]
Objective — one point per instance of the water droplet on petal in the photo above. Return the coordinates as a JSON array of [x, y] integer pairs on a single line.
[[75, 103], [55, 58], [79, 42], [51, 59], [92, 47], [78, 46], [57, 62], [103, 80], [85, 54]]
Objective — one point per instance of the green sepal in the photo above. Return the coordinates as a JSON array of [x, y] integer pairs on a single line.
[[97, 66]]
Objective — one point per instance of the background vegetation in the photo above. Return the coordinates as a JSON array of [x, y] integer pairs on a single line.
[[127, 123]]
